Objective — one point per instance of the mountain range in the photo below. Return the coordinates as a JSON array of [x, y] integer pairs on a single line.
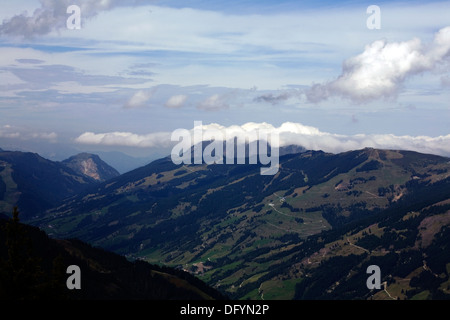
[[36, 184], [308, 232]]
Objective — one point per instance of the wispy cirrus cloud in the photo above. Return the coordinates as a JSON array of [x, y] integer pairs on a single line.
[[34, 78], [43, 76], [30, 61], [13, 132]]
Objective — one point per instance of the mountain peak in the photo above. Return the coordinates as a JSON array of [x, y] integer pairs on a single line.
[[292, 149], [92, 166]]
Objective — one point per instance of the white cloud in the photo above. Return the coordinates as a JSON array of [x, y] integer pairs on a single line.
[[289, 133], [381, 70], [214, 103], [139, 99], [224, 98], [125, 139], [176, 101]]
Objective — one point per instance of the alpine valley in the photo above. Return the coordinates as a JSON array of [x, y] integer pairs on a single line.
[[308, 232]]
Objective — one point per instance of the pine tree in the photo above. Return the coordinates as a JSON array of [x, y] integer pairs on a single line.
[[56, 285], [20, 272]]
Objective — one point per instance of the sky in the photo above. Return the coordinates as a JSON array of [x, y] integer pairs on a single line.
[[327, 75]]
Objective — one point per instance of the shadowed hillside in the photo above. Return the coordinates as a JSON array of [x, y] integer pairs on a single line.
[[33, 266]]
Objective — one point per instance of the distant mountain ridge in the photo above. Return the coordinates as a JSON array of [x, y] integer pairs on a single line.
[[36, 184], [92, 166]]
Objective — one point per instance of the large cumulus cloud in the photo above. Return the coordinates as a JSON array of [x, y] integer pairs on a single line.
[[383, 67]]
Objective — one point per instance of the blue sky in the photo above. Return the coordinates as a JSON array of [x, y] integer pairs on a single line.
[[137, 70]]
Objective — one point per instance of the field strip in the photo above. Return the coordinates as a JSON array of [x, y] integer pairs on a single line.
[[285, 214], [357, 246], [287, 230]]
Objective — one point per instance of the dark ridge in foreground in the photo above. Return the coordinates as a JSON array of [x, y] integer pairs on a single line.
[[33, 267]]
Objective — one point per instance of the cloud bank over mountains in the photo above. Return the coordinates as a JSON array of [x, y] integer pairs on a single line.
[[290, 133]]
